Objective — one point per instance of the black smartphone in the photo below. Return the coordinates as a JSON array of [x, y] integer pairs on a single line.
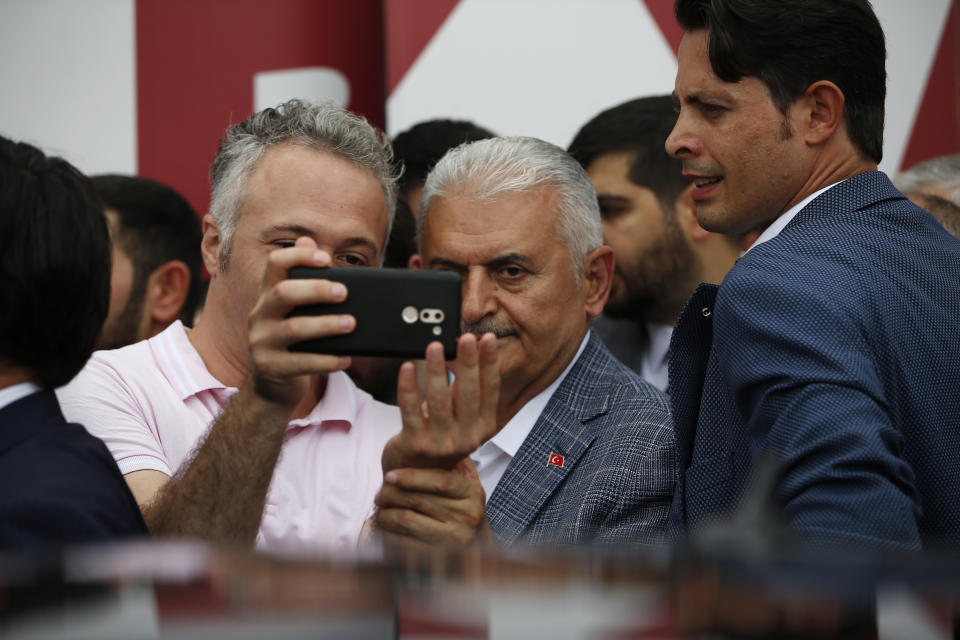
[[398, 311]]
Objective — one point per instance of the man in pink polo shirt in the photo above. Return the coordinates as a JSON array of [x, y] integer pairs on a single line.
[[197, 420]]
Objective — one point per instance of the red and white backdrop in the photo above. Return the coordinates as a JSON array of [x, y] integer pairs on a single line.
[[148, 86]]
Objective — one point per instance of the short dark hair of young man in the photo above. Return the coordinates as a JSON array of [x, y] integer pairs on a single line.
[[157, 274]]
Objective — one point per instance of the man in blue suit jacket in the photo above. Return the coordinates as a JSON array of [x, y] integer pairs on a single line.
[[58, 484], [582, 448], [831, 347]]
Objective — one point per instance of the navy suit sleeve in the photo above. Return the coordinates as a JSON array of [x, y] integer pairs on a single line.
[[801, 369]]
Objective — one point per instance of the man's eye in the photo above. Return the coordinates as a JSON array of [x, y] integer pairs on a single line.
[[512, 272], [283, 244], [352, 260], [711, 109], [609, 212]]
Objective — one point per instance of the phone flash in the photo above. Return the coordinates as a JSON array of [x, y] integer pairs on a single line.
[[437, 331], [409, 314]]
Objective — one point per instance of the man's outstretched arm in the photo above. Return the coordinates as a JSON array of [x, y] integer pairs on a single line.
[[219, 493]]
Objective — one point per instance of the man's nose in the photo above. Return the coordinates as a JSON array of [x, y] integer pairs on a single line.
[[681, 142], [478, 300]]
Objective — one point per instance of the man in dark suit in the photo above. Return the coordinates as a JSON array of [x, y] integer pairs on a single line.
[[58, 484], [583, 449], [831, 346]]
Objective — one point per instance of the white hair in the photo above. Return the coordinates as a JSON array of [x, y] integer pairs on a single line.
[[942, 172], [487, 168], [323, 127]]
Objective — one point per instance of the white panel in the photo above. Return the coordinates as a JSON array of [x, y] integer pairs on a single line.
[[316, 84], [913, 31], [67, 77], [528, 67]]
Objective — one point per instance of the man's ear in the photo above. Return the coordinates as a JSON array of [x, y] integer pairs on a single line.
[[415, 262], [210, 245], [167, 289], [823, 111], [597, 278]]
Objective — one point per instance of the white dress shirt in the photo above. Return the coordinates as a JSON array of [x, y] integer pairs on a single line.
[[655, 360], [9, 395], [493, 457]]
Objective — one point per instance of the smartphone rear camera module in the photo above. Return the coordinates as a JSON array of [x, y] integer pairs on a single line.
[[431, 316]]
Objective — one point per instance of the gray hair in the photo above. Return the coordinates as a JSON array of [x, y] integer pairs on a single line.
[[487, 168], [942, 172], [323, 127]]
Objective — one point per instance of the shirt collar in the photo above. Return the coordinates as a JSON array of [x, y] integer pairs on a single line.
[[9, 395], [338, 406], [659, 335], [183, 367], [777, 225], [512, 435], [180, 363]]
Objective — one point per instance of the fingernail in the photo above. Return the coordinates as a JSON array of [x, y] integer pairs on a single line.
[[407, 372], [434, 355], [344, 362], [469, 346], [338, 291], [319, 256], [347, 322], [390, 477]]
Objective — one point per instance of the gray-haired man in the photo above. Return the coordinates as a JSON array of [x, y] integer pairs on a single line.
[[584, 451], [197, 420]]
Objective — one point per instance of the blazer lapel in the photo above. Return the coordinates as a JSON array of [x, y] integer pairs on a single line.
[[557, 441]]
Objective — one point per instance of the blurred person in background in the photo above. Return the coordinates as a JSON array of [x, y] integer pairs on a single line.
[[649, 219], [58, 484], [156, 274], [934, 185], [419, 148]]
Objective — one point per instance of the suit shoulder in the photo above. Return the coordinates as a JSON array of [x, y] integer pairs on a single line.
[[636, 409]]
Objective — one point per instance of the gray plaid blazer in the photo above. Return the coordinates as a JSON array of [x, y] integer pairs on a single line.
[[614, 433]]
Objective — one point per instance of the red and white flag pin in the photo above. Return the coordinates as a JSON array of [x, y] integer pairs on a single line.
[[555, 459]]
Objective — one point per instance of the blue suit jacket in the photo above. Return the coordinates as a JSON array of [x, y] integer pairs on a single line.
[[614, 432], [58, 484], [835, 347]]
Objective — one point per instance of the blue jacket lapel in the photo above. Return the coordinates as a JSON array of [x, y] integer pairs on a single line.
[[562, 430]]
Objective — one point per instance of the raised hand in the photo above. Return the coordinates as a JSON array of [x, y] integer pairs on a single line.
[[449, 422]]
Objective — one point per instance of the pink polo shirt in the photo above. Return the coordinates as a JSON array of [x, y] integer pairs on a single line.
[[153, 401]]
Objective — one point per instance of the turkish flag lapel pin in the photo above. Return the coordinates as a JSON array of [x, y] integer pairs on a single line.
[[555, 459]]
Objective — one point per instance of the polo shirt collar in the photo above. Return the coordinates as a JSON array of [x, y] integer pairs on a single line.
[[184, 369], [180, 363]]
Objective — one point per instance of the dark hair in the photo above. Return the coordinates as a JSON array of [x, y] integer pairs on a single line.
[[790, 44], [155, 224], [421, 146], [640, 127], [403, 237], [54, 265]]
